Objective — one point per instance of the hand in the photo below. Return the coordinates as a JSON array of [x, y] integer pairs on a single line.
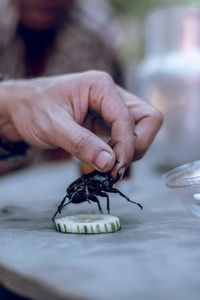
[[49, 112], [147, 121]]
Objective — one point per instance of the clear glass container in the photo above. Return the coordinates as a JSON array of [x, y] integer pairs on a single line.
[[169, 78], [185, 181]]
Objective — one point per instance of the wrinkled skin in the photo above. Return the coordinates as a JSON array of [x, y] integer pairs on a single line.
[[49, 112]]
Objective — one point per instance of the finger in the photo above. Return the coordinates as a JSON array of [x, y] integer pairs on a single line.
[[82, 143], [106, 100], [145, 131], [148, 121]]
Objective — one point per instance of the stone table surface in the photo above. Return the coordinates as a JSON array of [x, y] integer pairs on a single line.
[[156, 255]]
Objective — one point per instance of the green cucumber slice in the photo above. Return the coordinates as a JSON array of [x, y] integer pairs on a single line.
[[88, 224]]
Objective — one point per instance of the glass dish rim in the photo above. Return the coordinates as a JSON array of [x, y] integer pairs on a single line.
[[173, 178]]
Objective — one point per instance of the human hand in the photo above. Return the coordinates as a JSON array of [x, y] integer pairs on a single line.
[[49, 112], [147, 121]]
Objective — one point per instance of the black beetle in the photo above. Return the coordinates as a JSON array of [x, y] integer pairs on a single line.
[[88, 187]]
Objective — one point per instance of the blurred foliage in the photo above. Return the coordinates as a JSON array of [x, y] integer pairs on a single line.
[[140, 7], [131, 15]]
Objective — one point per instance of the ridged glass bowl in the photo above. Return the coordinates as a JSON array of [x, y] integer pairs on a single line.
[[185, 180]]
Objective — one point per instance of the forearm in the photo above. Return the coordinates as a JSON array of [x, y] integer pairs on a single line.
[[8, 94]]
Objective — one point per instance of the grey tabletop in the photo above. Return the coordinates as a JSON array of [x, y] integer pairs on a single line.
[[156, 255]]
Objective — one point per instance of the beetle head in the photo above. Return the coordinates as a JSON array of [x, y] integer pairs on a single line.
[[108, 182]]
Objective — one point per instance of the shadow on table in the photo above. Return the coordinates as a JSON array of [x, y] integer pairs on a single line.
[[8, 295]]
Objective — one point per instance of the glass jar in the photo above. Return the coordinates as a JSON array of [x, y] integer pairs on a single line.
[[169, 78]]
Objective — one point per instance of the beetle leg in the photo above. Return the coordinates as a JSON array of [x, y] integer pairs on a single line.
[[60, 207], [87, 194], [103, 194], [95, 199], [113, 190]]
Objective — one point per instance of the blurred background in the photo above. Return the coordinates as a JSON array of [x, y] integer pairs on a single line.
[[131, 15], [158, 46]]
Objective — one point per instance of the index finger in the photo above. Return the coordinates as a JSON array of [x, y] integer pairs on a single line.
[[105, 99]]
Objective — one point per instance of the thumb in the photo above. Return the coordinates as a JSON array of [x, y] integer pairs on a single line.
[[85, 145]]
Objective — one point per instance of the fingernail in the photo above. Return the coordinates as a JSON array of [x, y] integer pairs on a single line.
[[103, 159]]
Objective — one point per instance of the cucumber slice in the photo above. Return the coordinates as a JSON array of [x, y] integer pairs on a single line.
[[88, 224]]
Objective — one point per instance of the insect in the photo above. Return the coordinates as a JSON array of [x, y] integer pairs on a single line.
[[88, 187]]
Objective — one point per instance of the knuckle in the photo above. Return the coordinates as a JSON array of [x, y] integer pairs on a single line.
[[103, 78], [82, 145], [157, 115]]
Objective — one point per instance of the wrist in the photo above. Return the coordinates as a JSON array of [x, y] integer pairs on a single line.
[[10, 92], [5, 95]]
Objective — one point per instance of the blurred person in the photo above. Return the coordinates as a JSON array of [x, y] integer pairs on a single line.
[[51, 37]]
